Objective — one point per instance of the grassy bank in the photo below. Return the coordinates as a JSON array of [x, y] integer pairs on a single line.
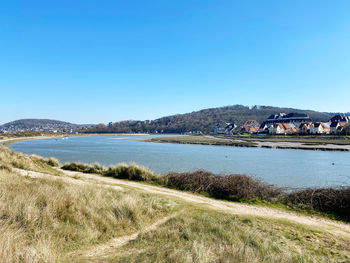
[[325, 143], [51, 220], [43, 220], [202, 140], [331, 202], [252, 139], [306, 139]]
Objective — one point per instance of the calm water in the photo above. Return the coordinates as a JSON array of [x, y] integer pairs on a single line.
[[292, 168]]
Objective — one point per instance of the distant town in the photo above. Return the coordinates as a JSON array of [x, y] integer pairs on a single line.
[[42, 125], [291, 123]]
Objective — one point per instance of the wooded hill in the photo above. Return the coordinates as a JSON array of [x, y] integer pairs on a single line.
[[41, 125], [203, 120]]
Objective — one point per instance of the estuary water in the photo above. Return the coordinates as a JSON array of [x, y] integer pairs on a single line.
[[287, 168]]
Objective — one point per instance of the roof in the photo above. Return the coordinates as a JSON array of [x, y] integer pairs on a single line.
[[289, 116], [334, 124], [296, 115], [318, 124], [262, 125], [251, 123], [340, 118], [280, 125], [251, 128]]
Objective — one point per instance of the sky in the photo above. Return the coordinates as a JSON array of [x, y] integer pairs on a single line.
[[100, 61]]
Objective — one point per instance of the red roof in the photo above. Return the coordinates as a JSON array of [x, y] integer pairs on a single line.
[[251, 123]]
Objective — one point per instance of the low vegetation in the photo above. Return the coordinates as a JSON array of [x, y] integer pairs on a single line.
[[334, 202], [122, 171], [230, 187], [327, 200], [203, 140], [251, 140], [51, 220], [305, 139], [43, 220], [10, 159], [208, 236]]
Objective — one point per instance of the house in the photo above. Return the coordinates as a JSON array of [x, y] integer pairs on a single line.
[[340, 118], [337, 123], [277, 128], [252, 123], [264, 128], [304, 128], [250, 129], [226, 129], [289, 128], [250, 126], [319, 128], [341, 127], [334, 127], [292, 117]]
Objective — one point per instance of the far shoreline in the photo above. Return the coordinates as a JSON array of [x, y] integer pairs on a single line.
[[215, 141], [199, 140]]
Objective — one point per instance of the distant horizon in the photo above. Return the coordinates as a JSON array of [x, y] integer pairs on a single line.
[[126, 119], [101, 61]]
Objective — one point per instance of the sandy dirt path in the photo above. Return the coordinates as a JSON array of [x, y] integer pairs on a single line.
[[102, 250], [105, 249], [69, 179], [225, 206]]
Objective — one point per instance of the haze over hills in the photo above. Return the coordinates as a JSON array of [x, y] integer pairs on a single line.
[[44, 125], [204, 120]]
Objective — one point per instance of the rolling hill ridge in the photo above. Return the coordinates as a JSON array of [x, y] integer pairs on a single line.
[[203, 120]]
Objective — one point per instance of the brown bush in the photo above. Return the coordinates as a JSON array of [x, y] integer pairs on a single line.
[[229, 187], [329, 200]]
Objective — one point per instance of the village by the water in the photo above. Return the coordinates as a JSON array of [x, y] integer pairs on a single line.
[[288, 124]]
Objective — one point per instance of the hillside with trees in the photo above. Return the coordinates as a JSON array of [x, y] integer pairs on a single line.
[[45, 125], [203, 120]]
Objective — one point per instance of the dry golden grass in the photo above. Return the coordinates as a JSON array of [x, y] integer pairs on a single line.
[[43, 220], [208, 236], [10, 159]]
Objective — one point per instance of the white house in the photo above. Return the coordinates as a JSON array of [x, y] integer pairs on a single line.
[[277, 128], [319, 128]]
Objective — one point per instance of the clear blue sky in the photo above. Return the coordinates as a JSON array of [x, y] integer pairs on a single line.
[[99, 61]]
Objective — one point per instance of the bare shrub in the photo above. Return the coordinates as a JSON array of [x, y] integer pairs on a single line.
[[230, 187], [329, 200], [226, 187]]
